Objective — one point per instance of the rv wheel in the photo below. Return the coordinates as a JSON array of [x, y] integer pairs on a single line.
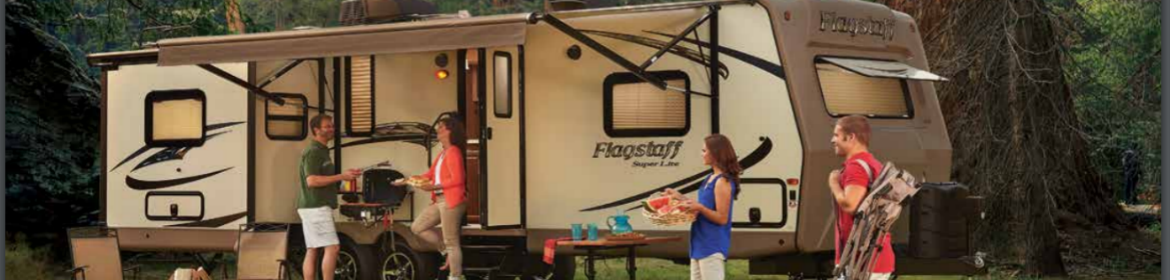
[[403, 263], [355, 262]]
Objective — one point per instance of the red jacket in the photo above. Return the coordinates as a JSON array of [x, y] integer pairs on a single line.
[[454, 177]]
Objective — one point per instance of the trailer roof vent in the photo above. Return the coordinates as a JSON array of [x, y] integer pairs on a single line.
[[358, 12], [565, 5]]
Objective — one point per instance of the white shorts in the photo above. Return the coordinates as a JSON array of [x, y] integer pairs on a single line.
[[318, 227], [708, 268]]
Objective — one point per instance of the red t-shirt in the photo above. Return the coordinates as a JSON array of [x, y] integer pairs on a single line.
[[854, 175]]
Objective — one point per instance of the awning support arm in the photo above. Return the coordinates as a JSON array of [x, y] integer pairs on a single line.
[[246, 85], [606, 52], [283, 70], [240, 82], [677, 38], [685, 91]]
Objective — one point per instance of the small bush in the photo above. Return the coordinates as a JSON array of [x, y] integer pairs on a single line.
[[23, 262]]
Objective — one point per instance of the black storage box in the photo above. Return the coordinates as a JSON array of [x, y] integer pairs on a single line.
[[941, 217]]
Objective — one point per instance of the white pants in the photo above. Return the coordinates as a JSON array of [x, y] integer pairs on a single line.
[[709, 268], [318, 227]]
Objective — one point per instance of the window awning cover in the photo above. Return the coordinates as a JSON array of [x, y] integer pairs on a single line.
[[883, 69]]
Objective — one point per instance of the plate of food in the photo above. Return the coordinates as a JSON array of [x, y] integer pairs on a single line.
[[415, 181]]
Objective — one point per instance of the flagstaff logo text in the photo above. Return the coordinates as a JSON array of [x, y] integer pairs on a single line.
[[882, 28], [642, 154]]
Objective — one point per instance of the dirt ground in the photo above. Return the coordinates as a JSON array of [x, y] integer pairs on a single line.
[[1100, 252]]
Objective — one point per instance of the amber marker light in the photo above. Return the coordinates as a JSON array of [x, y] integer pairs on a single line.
[[442, 74]]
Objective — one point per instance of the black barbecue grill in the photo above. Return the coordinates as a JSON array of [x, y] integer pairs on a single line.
[[379, 198]]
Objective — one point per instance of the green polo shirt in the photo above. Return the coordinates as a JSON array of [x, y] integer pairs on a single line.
[[315, 161]]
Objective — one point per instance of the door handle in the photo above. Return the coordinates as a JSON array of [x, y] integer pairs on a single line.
[[487, 133]]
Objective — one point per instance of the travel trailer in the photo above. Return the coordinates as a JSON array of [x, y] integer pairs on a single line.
[[572, 116]]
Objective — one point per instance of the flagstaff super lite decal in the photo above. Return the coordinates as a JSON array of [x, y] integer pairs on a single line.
[[644, 155]]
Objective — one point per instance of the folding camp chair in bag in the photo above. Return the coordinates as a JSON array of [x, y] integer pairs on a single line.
[[888, 193], [96, 255], [261, 252]]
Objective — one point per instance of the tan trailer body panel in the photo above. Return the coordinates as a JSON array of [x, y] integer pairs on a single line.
[[141, 182], [920, 145]]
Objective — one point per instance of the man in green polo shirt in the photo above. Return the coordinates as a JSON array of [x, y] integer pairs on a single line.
[[317, 198]]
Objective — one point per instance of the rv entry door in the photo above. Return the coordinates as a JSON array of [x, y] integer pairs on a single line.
[[501, 203]]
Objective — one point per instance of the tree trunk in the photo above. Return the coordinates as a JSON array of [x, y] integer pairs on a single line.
[[235, 23], [1015, 133]]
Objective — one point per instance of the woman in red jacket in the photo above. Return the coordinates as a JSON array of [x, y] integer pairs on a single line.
[[447, 189]]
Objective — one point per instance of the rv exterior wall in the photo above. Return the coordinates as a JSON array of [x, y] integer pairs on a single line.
[[919, 144], [567, 175], [277, 159], [202, 183], [406, 91]]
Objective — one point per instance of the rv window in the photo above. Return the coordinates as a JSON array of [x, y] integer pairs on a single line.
[[175, 118], [634, 108], [503, 84], [288, 121], [849, 93], [359, 112]]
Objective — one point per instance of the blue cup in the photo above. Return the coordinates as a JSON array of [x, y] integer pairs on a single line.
[[576, 231], [592, 232]]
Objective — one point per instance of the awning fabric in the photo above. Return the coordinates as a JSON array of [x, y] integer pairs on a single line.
[[447, 34], [883, 69]]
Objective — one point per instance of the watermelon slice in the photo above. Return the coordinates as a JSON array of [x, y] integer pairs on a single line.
[[646, 206], [660, 205], [659, 202]]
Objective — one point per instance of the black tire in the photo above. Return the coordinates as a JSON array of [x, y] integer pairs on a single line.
[[355, 262], [404, 263]]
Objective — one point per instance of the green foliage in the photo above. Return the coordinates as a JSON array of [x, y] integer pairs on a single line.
[[92, 26], [52, 130], [26, 263], [54, 99], [1114, 68], [268, 15]]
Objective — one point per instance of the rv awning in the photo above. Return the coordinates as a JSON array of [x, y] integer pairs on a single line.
[[448, 34], [883, 69]]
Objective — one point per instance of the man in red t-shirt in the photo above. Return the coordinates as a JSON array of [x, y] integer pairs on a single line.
[[850, 184]]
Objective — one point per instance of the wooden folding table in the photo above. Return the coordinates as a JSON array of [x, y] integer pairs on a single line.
[[592, 247]]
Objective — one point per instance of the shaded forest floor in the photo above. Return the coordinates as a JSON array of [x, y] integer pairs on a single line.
[[1095, 252]]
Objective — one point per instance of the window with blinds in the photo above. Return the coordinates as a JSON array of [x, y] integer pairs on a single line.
[[359, 120], [288, 121], [635, 108], [175, 118], [849, 93]]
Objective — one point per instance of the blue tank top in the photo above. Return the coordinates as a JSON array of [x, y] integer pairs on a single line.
[[708, 238]]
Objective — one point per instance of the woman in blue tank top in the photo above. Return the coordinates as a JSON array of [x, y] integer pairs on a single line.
[[711, 231]]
